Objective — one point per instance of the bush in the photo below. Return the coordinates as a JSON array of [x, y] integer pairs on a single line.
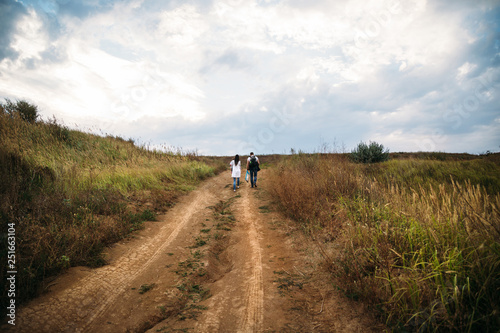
[[28, 112], [372, 153]]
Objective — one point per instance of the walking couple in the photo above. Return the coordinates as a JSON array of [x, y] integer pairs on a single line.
[[252, 169]]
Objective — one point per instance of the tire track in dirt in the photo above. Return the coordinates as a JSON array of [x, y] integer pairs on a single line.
[[76, 309], [254, 298], [196, 204]]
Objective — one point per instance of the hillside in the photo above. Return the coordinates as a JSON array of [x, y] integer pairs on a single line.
[[67, 194]]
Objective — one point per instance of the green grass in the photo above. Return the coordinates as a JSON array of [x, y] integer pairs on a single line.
[[146, 287]]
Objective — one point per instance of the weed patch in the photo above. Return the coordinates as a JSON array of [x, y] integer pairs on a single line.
[[193, 271], [265, 209], [146, 287], [287, 282]]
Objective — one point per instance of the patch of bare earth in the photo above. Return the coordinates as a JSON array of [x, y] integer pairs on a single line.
[[197, 270]]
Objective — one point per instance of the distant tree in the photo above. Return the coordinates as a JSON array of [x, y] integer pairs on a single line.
[[26, 111], [370, 153]]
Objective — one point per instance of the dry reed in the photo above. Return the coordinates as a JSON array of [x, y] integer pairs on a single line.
[[424, 251]]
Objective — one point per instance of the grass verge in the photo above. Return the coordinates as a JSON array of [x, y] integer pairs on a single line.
[[418, 240]]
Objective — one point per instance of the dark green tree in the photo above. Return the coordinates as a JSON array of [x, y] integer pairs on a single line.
[[370, 153], [21, 108]]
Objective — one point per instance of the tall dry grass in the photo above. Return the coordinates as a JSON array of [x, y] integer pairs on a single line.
[[420, 247]]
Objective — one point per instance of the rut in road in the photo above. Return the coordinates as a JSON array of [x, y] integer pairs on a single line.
[[253, 318]]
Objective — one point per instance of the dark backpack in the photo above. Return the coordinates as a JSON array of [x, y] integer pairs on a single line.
[[253, 163]]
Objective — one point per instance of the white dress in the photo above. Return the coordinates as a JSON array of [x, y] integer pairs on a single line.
[[236, 169]]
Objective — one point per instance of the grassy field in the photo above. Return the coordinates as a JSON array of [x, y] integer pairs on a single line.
[[68, 194], [416, 237]]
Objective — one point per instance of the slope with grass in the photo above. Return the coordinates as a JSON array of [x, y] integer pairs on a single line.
[[68, 194]]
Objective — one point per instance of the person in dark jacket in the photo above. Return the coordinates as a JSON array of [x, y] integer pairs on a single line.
[[253, 165]]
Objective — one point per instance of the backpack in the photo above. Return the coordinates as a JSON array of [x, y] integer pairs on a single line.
[[253, 162]]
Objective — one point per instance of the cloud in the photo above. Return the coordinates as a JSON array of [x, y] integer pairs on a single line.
[[10, 12], [231, 59]]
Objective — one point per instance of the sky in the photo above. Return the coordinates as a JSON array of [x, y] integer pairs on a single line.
[[225, 77]]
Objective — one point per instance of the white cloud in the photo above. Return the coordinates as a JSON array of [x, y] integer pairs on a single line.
[[181, 27], [464, 70], [30, 38]]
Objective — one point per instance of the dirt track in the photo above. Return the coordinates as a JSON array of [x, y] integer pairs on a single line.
[[267, 283]]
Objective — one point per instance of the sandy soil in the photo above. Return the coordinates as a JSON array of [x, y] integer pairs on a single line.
[[266, 281]]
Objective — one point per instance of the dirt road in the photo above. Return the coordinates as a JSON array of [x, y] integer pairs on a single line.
[[264, 279]]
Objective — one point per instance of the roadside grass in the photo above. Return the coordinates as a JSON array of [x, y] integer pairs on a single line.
[[418, 240], [429, 174], [70, 194]]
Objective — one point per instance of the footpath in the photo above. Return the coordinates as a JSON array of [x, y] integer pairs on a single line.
[[218, 261]]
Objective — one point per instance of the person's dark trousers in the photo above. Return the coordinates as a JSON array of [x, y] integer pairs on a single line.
[[253, 177]]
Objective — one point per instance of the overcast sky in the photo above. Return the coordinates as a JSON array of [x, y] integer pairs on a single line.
[[234, 76]]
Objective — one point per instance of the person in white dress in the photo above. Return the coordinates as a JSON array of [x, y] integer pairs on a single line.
[[236, 171]]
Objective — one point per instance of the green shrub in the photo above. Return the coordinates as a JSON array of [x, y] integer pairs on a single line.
[[372, 153], [26, 111]]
